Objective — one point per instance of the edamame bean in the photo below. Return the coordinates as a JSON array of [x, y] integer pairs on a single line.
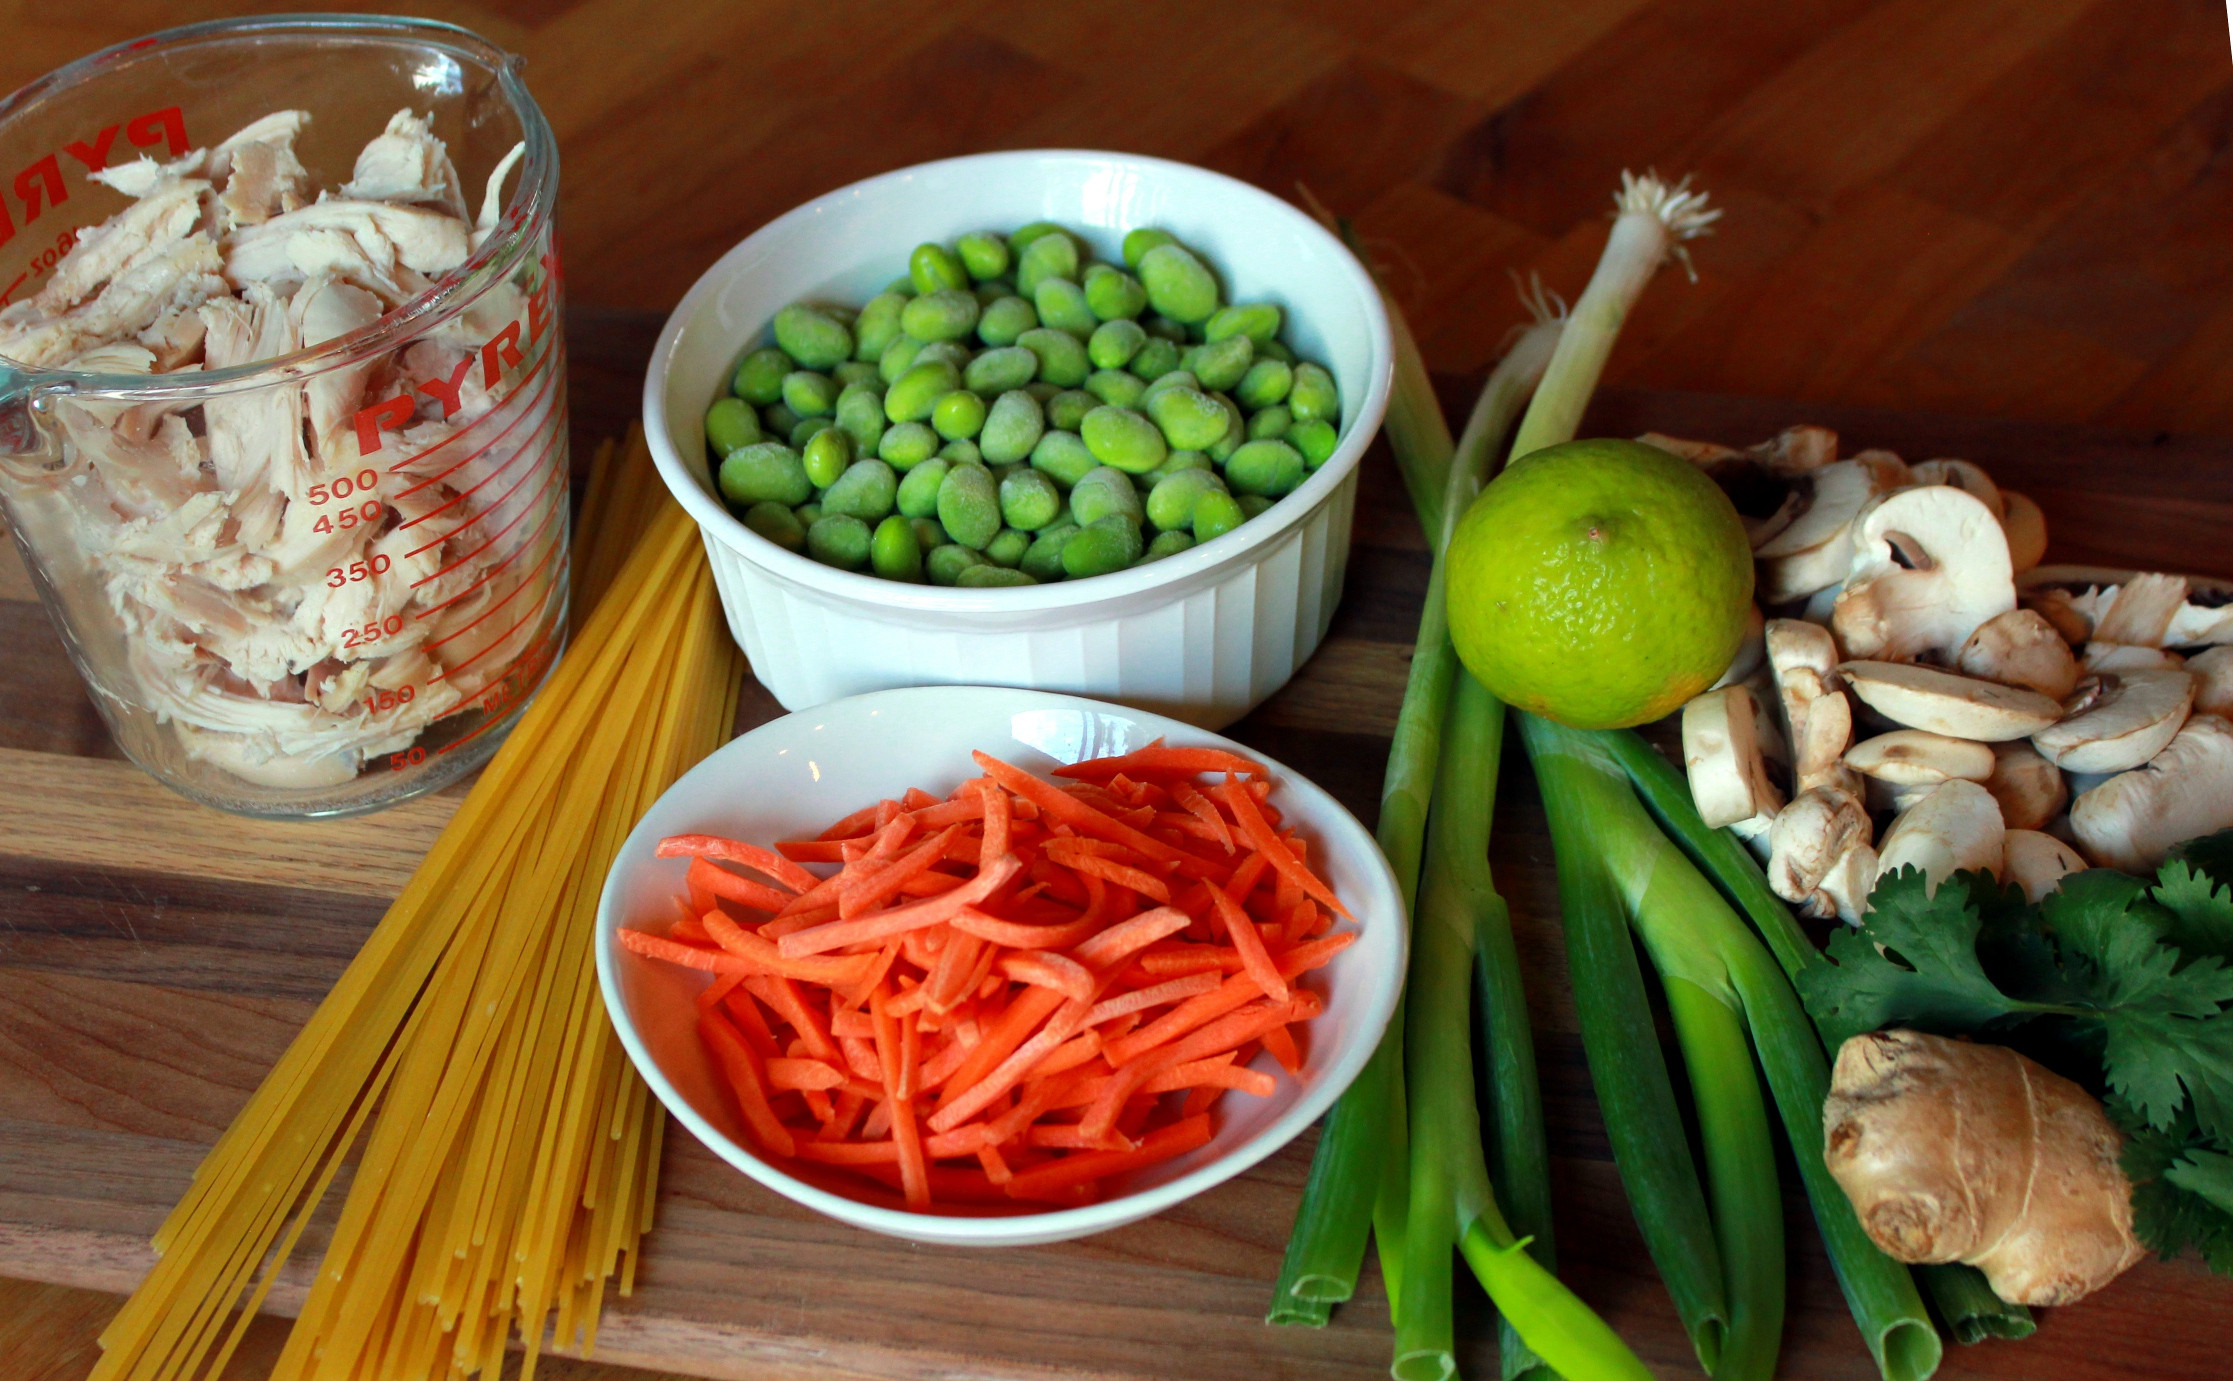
[[1068, 408], [1113, 344], [989, 576], [1216, 514], [764, 470], [1113, 294], [1270, 468], [1175, 462], [893, 552], [1176, 378], [919, 389], [759, 378], [1156, 358], [1062, 306], [1236, 430], [778, 419], [984, 256], [1105, 545], [1264, 385], [1275, 350], [994, 372], [1253, 505], [865, 491], [898, 358], [917, 494], [1040, 390], [907, 445], [952, 352], [826, 455], [945, 564], [1191, 420], [1063, 458], [878, 325], [853, 372], [860, 411], [1164, 328], [1170, 505], [1005, 319], [1259, 321], [928, 534], [1222, 364], [1115, 387], [903, 285], [1140, 241], [774, 521], [807, 429], [1012, 428], [1020, 239], [959, 415], [840, 540], [1167, 544], [1000, 473], [991, 291], [808, 515], [1043, 560], [1008, 548], [730, 424], [948, 314], [933, 266], [1028, 499], [1316, 439], [969, 506], [1269, 424], [1102, 492], [809, 394], [1313, 398], [1123, 438], [962, 451], [1049, 256], [813, 337], [1179, 285], [1062, 359]]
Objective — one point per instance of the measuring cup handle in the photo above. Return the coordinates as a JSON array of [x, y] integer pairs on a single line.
[[26, 449]]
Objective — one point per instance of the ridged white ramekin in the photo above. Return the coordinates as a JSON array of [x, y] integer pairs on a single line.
[[1203, 636]]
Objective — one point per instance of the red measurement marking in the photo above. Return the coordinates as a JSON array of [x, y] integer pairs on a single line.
[[524, 581], [495, 718], [457, 499], [501, 500], [539, 369], [497, 569], [530, 508], [11, 292]]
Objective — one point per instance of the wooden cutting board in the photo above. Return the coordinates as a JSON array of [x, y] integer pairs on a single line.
[[155, 958]]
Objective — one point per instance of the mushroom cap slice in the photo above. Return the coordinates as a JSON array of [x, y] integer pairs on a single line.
[[1815, 549], [1915, 757], [1921, 697], [2142, 612], [1819, 760], [2132, 820], [2030, 789], [1848, 883], [1798, 449], [1750, 653], [2116, 721], [1964, 475], [1721, 751], [1810, 835], [1956, 828], [2100, 657], [2037, 862], [1804, 659], [2026, 527], [2213, 681], [2020, 648], [1929, 565]]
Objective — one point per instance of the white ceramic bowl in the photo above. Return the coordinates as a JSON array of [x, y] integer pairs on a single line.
[[790, 778], [1205, 635]]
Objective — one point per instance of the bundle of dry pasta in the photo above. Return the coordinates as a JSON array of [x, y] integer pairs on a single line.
[[506, 1152]]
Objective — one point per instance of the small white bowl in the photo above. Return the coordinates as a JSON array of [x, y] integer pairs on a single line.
[[1205, 635], [790, 778]]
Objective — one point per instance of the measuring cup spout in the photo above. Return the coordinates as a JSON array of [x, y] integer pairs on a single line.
[[17, 434]]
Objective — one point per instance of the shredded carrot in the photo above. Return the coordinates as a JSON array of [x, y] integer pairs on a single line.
[[1248, 813], [1185, 761], [742, 1066], [767, 861]]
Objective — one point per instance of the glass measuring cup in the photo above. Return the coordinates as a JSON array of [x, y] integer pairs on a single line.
[[327, 580]]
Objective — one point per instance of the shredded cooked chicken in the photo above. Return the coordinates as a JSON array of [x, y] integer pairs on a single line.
[[233, 587]]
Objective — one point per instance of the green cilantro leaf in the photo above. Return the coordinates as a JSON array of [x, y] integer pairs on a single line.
[[2207, 1173], [2201, 911], [2167, 1216], [1930, 977]]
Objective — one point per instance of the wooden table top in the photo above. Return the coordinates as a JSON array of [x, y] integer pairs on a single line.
[[2007, 209]]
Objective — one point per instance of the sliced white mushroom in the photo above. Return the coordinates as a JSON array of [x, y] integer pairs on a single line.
[[2099, 657], [1920, 697], [1816, 549], [1810, 835], [2037, 862], [2132, 820], [1750, 653], [2142, 612], [2030, 789], [1803, 657], [1700, 453], [2116, 721], [1929, 565], [2205, 620], [1755, 833], [1917, 757], [2020, 648], [1721, 750], [1822, 604], [1800, 449], [1956, 828], [1819, 758], [2213, 680], [2026, 527], [1849, 882], [2060, 608], [1964, 475], [1761, 493], [1888, 798]]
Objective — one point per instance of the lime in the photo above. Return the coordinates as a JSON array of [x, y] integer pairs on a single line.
[[1599, 583]]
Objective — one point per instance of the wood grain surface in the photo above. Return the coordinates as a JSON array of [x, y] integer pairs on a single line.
[[1940, 213]]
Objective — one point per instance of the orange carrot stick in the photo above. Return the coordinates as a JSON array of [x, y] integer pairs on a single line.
[[720, 988], [1249, 815], [767, 861], [787, 1073], [1281, 1042], [1159, 1145], [1128, 937], [1048, 970], [1256, 961], [1061, 805], [1123, 875], [752, 1022], [1204, 810], [813, 850], [1139, 999], [900, 920], [784, 998], [967, 1103], [1018, 935], [742, 1066], [1214, 1073], [866, 889], [844, 970], [1014, 1025], [1183, 760], [999, 818], [722, 883]]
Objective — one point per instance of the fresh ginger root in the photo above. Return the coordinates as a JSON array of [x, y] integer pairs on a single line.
[[1959, 1152]]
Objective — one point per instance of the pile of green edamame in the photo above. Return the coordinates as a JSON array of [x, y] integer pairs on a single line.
[[1012, 412]]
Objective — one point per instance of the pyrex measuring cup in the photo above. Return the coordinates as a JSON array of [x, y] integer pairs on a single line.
[[306, 544]]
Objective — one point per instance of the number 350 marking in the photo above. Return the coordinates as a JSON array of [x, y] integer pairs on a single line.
[[377, 564]]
